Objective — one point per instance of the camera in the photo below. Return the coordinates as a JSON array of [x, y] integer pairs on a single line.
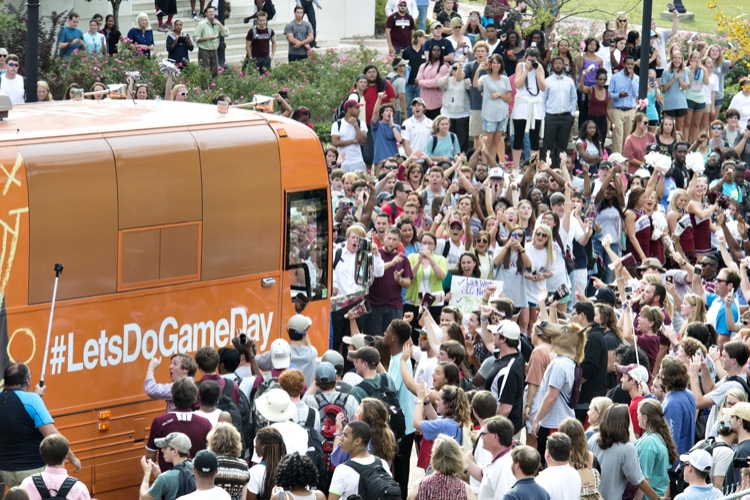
[[670, 7], [365, 245], [535, 65]]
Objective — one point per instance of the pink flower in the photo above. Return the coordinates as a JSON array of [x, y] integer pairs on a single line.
[[260, 78], [213, 84], [241, 73]]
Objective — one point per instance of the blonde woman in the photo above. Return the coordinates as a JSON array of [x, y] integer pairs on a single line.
[[443, 144], [721, 68], [447, 481], [693, 309], [597, 408], [700, 215], [142, 36], [541, 254], [43, 92], [678, 222], [581, 459], [621, 25]]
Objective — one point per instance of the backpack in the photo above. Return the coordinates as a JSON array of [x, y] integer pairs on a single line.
[[741, 381], [241, 415], [677, 483], [575, 391], [374, 482], [269, 8], [259, 421], [339, 114], [316, 453], [328, 413], [337, 257], [186, 480], [65, 487], [384, 393], [453, 137], [393, 78]]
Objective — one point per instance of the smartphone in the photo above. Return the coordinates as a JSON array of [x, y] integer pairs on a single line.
[[514, 236], [346, 205], [670, 279], [670, 7], [652, 81], [740, 463]]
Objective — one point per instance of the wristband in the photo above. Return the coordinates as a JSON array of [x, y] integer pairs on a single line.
[[337, 435], [619, 279]]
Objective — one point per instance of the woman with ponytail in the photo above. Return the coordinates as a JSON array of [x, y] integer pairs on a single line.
[[269, 445], [656, 449]]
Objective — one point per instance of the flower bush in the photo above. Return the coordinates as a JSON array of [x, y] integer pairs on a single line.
[[320, 82]]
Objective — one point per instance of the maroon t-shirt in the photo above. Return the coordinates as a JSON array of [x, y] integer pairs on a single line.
[[261, 43], [401, 28], [384, 290], [222, 383], [193, 426]]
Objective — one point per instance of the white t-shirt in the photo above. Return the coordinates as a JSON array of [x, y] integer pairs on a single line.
[[497, 479], [713, 86], [353, 160], [453, 254], [257, 478], [214, 493], [345, 480], [604, 53], [416, 132], [425, 368], [482, 457], [14, 88], [212, 417], [294, 436], [561, 482], [741, 103], [660, 44]]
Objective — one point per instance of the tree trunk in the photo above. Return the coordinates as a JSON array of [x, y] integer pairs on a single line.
[[116, 11]]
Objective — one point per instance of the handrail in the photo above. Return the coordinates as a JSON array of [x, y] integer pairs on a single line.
[[735, 494]]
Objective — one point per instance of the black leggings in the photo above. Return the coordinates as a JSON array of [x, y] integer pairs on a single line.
[[519, 129]]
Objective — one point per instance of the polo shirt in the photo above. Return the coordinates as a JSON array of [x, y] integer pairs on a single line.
[[416, 132], [21, 415], [508, 385], [54, 477], [193, 426], [497, 477], [385, 291], [527, 489]]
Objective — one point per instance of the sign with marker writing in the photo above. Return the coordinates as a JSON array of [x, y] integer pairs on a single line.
[[466, 293]]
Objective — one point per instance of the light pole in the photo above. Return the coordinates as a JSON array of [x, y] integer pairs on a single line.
[[645, 44], [32, 49]]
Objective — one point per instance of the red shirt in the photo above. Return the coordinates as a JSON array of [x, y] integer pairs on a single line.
[[388, 210], [193, 426], [633, 408], [371, 96]]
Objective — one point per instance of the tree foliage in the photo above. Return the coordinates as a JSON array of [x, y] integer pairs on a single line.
[[13, 34], [737, 29]]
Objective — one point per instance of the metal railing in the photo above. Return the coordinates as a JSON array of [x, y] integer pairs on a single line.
[[732, 493]]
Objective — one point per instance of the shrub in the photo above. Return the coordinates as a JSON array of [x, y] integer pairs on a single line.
[[320, 82], [380, 17], [13, 34]]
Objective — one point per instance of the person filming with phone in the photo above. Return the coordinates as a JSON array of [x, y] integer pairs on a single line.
[[623, 90], [178, 45]]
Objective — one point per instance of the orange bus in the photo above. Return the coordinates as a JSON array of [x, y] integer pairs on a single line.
[[177, 226]]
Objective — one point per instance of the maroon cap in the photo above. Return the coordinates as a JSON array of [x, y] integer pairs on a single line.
[[351, 103]]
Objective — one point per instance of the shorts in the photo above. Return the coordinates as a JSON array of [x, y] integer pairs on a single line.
[[492, 127], [653, 123], [676, 113], [532, 305], [718, 101], [696, 106], [475, 123]]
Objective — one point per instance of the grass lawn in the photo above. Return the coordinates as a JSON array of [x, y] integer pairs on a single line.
[[704, 17]]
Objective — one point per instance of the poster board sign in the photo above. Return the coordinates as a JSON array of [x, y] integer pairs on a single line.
[[466, 293]]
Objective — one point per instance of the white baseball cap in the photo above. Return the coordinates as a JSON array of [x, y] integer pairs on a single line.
[[700, 460], [281, 354], [639, 374], [507, 328], [496, 173]]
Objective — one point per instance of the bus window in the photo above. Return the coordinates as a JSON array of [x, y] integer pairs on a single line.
[[307, 243]]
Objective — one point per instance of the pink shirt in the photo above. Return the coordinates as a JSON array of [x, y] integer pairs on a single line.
[[54, 478], [428, 77]]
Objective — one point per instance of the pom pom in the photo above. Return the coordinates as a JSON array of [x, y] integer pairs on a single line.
[[658, 225], [134, 75], [694, 162], [661, 163], [168, 67]]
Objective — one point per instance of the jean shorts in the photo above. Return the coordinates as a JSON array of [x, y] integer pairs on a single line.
[[718, 101], [492, 127], [696, 106]]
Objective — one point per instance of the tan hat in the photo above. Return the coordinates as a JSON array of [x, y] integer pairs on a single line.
[[176, 440], [357, 340], [741, 410], [617, 158]]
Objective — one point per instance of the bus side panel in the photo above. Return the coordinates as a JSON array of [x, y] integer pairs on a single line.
[[301, 152]]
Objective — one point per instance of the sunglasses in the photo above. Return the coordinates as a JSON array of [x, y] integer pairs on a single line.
[[719, 280], [543, 235], [483, 241], [390, 167], [518, 235], [183, 94], [745, 322], [3, 55], [717, 127], [13, 65], [622, 20]]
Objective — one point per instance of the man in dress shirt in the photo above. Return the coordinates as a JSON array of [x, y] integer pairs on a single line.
[[560, 105], [344, 283], [623, 90]]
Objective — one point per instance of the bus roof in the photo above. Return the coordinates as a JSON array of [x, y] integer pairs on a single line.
[[60, 119]]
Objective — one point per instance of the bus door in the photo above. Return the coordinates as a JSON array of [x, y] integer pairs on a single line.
[[306, 260]]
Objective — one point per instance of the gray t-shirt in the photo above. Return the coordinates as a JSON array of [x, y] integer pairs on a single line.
[[299, 32], [620, 466], [475, 95], [494, 110], [560, 374], [304, 359], [350, 403], [398, 83], [514, 284]]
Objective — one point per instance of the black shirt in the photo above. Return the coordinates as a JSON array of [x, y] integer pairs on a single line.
[[507, 382], [612, 343], [443, 42], [594, 366], [445, 19], [416, 59], [733, 474]]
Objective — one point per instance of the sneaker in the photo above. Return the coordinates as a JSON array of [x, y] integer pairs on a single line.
[[162, 28], [194, 15], [169, 26]]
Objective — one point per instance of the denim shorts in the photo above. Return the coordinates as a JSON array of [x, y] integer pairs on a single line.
[[696, 106], [491, 127], [677, 113], [718, 101]]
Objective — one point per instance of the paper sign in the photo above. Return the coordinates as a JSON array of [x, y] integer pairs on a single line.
[[466, 293]]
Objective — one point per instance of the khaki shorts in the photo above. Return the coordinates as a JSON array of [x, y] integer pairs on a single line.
[[15, 478], [475, 123]]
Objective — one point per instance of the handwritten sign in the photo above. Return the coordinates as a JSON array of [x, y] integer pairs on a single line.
[[466, 293]]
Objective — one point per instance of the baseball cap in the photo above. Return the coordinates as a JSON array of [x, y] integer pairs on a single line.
[[418, 100], [507, 328], [205, 461], [653, 33], [605, 296], [298, 324], [650, 262], [699, 459], [399, 62], [456, 221], [741, 410], [325, 372], [333, 357], [281, 355], [639, 373], [358, 340], [496, 173], [435, 24], [423, 333], [383, 196], [360, 76], [370, 355], [556, 199], [617, 158], [643, 173], [176, 440], [351, 103]]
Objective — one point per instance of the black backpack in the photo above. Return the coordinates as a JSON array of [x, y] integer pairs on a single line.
[[241, 415], [384, 393], [677, 483], [316, 453], [186, 479], [339, 114], [269, 8], [258, 420], [741, 381], [65, 487], [374, 482]]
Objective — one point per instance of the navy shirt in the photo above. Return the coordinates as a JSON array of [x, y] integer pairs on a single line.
[[443, 42], [180, 52], [141, 38], [21, 415], [526, 489]]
